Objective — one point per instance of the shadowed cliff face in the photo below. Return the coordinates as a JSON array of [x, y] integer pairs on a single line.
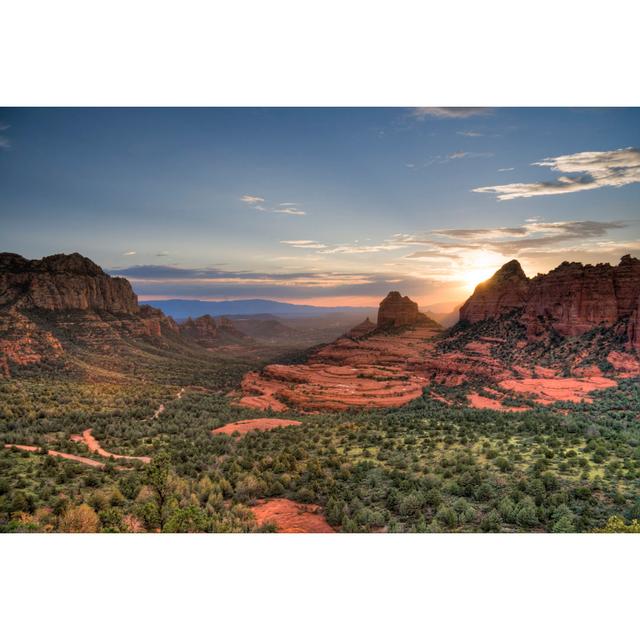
[[398, 311], [570, 300], [64, 302], [62, 282]]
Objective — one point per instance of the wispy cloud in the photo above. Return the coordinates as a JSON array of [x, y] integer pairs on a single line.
[[506, 169], [253, 200], [533, 235], [284, 208], [304, 244], [421, 113], [290, 211], [458, 155], [129, 253], [596, 169], [470, 134]]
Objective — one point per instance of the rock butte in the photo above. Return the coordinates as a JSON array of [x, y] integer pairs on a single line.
[[291, 517], [259, 424]]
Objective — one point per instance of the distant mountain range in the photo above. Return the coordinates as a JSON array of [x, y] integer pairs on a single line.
[[181, 309]]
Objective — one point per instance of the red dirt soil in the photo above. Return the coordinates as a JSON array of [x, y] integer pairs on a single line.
[[291, 517], [94, 446], [57, 454], [549, 390], [259, 424], [481, 402]]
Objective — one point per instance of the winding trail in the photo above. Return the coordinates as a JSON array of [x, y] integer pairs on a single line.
[[94, 446], [58, 454], [161, 408]]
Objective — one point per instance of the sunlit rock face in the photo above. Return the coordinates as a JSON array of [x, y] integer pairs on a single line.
[[570, 300], [505, 291]]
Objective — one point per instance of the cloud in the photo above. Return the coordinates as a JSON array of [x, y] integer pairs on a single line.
[[285, 208], [421, 113], [290, 211], [506, 169], [129, 253], [458, 155], [304, 244], [151, 281], [253, 200], [470, 134], [596, 169], [534, 235]]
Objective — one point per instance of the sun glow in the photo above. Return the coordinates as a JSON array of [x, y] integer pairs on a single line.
[[479, 267], [473, 277]]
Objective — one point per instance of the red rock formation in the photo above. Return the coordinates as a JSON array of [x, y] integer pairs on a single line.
[[570, 300], [505, 291], [398, 311], [62, 282], [361, 330], [202, 328], [209, 333]]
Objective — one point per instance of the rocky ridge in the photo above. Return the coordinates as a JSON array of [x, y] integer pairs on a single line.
[[570, 300]]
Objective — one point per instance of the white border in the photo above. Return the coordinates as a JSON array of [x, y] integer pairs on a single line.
[[319, 53]]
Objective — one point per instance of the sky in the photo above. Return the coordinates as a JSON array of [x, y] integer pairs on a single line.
[[320, 206]]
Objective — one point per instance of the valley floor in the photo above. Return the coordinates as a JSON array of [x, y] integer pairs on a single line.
[[203, 464]]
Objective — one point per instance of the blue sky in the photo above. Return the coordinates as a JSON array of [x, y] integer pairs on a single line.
[[320, 205]]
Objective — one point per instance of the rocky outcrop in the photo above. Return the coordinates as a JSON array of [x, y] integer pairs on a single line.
[[209, 333], [65, 302], [361, 330], [202, 328], [62, 282], [574, 298], [569, 300], [505, 291], [398, 311]]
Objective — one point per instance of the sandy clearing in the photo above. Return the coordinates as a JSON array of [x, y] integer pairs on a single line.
[[291, 517], [259, 424]]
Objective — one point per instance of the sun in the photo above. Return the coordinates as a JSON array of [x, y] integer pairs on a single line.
[[473, 277]]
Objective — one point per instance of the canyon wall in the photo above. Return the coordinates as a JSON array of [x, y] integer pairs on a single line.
[[571, 299]]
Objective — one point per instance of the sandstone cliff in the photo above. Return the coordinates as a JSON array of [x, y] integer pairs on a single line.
[[62, 282], [505, 291], [570, 300]]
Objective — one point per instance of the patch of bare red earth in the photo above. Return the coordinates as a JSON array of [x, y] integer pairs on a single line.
[[550, 390], [290, 516], [482, 402], [94, 446], [259, 424]]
